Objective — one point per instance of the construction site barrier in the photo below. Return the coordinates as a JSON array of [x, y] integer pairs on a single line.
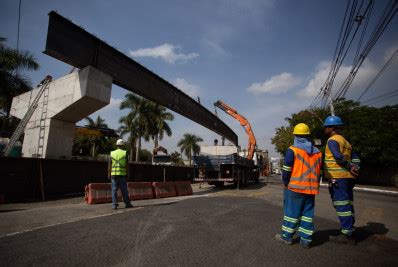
[[183, 188], [138, 191], [100, 193], [164, 189]]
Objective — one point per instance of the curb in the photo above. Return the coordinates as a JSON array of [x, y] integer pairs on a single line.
[[373, 190]]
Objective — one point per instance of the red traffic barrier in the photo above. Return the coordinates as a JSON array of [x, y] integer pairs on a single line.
[[183, 188], [138, 191], [164, 189], [100, 193]]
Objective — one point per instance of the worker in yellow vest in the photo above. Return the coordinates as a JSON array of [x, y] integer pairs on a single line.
[[341, 167], [118, 172], [300, 174]]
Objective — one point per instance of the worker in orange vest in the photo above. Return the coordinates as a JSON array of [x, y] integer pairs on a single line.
[[300, 173]]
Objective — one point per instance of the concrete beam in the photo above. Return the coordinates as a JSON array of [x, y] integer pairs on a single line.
[[70, 99], [75, 46]]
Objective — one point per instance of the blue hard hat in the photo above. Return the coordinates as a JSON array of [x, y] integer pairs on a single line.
[[333, 121]]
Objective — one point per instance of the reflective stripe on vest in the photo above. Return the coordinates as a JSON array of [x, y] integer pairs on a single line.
[[306, 171], [118, 158], [332, 169]]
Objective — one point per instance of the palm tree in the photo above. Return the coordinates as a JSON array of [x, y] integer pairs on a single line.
[[12, 83], [138, 121], [189, 145], [99, 123], [130, 126], [161, 127]]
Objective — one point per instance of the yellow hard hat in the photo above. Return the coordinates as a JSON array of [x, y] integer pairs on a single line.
[[301, 129]]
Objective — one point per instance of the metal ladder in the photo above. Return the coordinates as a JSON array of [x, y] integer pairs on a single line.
[[42, 123], [21, 126]]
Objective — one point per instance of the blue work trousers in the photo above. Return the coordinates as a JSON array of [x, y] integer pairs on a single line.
[[120, 182], [341, 192], [298, 215]]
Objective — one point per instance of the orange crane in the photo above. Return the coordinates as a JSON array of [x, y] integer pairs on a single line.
[[251, 147]]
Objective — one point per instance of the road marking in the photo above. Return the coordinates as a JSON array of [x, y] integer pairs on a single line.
[[71, 221]]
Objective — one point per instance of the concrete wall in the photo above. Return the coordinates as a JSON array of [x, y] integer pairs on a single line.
[[70, 99]]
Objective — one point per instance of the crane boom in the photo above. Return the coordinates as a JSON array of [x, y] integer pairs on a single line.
[[251, 147]]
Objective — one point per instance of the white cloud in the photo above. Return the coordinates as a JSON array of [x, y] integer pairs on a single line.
[[275, 85], [190, 89], [168, 52], [317, 79]]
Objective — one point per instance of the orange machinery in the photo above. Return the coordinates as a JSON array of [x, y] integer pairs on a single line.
[[251, 147]]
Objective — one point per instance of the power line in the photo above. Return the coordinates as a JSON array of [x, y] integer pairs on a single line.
[[386, 65], [384, 21]]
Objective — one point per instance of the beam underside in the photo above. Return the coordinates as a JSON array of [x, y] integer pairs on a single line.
[[73, 45]]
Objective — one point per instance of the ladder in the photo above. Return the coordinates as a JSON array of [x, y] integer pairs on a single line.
[[22, 124], [42, 123]]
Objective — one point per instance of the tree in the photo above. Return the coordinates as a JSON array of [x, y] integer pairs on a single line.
[[160, 116], [130, 126], [12, 82], [176, 159], [138, 121], [99, 123], [189, 145], [371, 131]]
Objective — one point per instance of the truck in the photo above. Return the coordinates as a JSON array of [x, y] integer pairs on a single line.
[[217, 165]]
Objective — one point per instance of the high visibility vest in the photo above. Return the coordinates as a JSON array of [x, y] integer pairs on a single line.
[[306, 171], [332, 169], [119, 162]]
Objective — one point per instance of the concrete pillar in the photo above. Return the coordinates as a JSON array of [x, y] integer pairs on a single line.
[[70, 99]]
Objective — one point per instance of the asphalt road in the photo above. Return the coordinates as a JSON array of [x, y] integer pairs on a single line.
[[225, 227]]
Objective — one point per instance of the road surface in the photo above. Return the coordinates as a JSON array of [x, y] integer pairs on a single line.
[[213, 227]]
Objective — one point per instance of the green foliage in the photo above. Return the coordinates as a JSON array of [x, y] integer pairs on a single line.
[[12, 82], [84, 145], [145, 119], [176, 159], [189, 145], [371, 131], [283, 138], [145, 155]]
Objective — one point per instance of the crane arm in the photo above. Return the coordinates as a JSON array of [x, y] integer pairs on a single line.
[[251, 147]]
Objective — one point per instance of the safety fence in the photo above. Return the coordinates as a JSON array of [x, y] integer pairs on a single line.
[[27, 179], [96, 193]]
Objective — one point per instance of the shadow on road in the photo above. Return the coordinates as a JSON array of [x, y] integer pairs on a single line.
[[251, 186], [372, 230], [11, 210]]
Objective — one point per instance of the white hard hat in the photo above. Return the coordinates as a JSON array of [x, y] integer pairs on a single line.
[[120, 142]]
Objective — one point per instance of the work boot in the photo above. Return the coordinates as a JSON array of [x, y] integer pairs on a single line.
[[114, 208], [280, 238], [128, 206], [305, 245], [342, 239]]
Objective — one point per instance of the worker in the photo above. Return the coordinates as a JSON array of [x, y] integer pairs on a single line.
[[117, 172], [341, 167], [300, 173]]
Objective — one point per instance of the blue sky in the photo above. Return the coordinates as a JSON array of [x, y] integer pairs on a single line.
[[265, 58]]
